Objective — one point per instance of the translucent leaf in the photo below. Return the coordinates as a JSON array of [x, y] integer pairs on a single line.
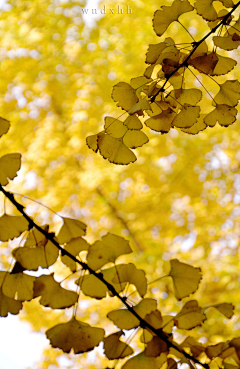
[[206, 9], [229, 42], [185, 277], [223, 114], [223, 66], [114, 127], [134, 139], [187, 116], [17, 286], [92, 142], [107, 250], [124, 319], [189, 96], [229, 93], [190, 316], [4, 126], [145, 362], [129, 273], [201, 50], [155, 347], [139, 81], [74, 246], [76, 335], [196, 347], [155, 319], [115, 151], [12, 226], [168, 14], [52, 294], [143, 104], [125, 95], [216, 350], [205, 63], [225, 308], [200, 125], [9, 305], [161, 122], [154, 50], [133, 122], [71, 228], [114, 348], [9, 166]]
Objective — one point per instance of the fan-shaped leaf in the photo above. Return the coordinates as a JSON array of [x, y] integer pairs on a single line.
[[187, 116], [125, 95], [71, 228], [12, 226], [229, 93], [161, 122], [74, 246], [145, 362], [115, 151], [4, 126], [190, 316], [206, 9], [17, 286], [9, 166], [114, 348], [114, 127], [223, 114], [134, 138], [8, 305]]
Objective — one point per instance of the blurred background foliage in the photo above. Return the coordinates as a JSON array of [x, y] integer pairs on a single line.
[[179, 200]]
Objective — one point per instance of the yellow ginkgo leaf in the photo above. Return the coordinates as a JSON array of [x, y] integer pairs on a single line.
[[168, 14], [155, 319], [139, 81], [71, 228], [125, 95], [187, 117], [200, 125], [206, 9], [4, 126], [9, 166], [134, 138], [114, 348], [76, 335], [190, 316], [154, 50], [189, 96], [12, 226], [223, 66], [161, 122], [133, 122], [143, 104], [17, 286], [155, 347], [196, 347], [129, 273], [145, 362], [225, 308], [74, 246], [185, 278], [107, 250], [229, 42], [8, 305], [52, 294], [229, 93], [92, 142], [115, 151], [216, 350], [205, 63], [114, 127], [223, 114], [124, 319]]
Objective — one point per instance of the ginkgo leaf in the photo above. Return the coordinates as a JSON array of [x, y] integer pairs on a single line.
[[133, 122], [114, 127], [201, 50], [223, 114], [155, 319], [189, 96], [155, 347], [4, 126], [167, 14], [154, 50], [129, 273], [229, 42], [206, 9], [114, 348], [200, 125], [185, 278], [76, 335], [52, 294], [229, 93], [139, 81], [71, 228], [12, 226], [74, 246], [9, 166], [187, 116], [223, 66], [125, 95], [190, 316], [9, 305], [196, 347], [216, 350], [225, 308], [134, 139], [107, 250], [143, 104], [115, 151], [145, 362], [92, 142], [124, 319], [17, 286], [161, 122], [205, 63]]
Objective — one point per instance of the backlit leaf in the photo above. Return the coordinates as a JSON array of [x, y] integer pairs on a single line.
[[223, 66], [114, 127], [17, 286], [187, 116], [206, 9], [12, 226], [222, 114], [205, 63], [200, 125], [9, 166], [125, 95], [107, 250], [225, 308], [196, 347], [52, 294], [74, 246], [8, 305], [76, 335], [143, 104], [129, 273], [161, 122], [115, 151], [185, 277], [145, 362], [114, 348], [71, 228], [155, 347], [229, 93], [92, 142], [190, 316], [168, 14], [4, 126], [133, 122], [134, 138]]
